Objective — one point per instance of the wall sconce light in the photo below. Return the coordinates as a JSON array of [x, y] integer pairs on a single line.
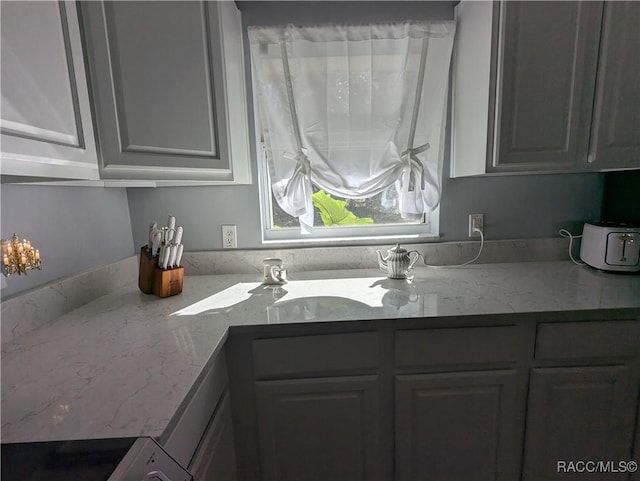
[[19, 257]]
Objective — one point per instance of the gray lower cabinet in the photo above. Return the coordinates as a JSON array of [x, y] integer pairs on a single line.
[[583, 398], [457, 426], [615, 138], [636, 448], [496, 398], [46, 124], [215, 458], [320, 429], [459, 403], [312, 405], [579, 414], [169, 92], [202, 437]]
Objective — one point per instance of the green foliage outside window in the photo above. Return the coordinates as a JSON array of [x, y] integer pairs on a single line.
[[335, 212]]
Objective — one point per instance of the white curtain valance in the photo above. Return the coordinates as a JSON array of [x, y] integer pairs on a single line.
[[353, 109]]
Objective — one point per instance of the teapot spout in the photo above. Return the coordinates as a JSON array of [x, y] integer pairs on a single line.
[[382, 262]]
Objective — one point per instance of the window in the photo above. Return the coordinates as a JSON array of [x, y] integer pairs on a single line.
[[351, 121]]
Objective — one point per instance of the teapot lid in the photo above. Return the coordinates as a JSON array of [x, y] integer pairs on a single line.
[[397, 249]]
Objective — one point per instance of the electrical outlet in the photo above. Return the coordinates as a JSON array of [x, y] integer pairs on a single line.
[[476, 220], [229, 237]]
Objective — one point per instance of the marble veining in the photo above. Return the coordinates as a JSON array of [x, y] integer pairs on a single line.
[[30, 310], [122, 364]]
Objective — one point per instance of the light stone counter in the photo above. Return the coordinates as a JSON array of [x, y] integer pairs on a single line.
[[122, 365]]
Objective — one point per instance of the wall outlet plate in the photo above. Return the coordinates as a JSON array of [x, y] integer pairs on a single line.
[[476, 220], [229, 237]]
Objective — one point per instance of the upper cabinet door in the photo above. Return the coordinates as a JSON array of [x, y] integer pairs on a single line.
[[545, 96], [615, 138], [169, 90], [46, 125]]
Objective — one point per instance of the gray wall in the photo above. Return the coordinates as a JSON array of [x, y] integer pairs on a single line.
[[75, 228], [514, 206]]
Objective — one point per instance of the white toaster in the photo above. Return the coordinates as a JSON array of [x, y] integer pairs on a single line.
[[611, 247]]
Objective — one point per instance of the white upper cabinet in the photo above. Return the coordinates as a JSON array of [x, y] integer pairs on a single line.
[[615, 138], [472, 93], [525, 104], [46, 126], [169, 90]]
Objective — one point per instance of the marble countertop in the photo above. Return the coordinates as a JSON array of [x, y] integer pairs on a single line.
[[122, 365]]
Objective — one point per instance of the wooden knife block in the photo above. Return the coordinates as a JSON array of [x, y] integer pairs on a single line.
[[153, 280]]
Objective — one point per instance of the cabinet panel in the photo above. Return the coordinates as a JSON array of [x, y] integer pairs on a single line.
[[548, 78], [320, 429], [636, 449], [473, 87], [165, 78], [579, 414], [468, 345], [182, 438], [304, 355], [215, 459], [48, 69], [46, 121], [615, 139], [575, 340], [165, 104], [458, 426]]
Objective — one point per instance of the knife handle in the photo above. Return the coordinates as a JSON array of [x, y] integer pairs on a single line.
[[165, 257], [178, 237], [179, 255], [152, 228], [157, 238], [173, 250]]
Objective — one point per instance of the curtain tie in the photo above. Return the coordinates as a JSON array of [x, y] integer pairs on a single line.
[[303, 164], [415, 165], [303, 167]]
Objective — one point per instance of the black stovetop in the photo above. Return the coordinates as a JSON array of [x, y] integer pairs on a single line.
[[88, 460]]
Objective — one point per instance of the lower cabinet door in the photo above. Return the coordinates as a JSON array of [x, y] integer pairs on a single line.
[[215, 458], [320, 429], [636, 449], [576, 416], [458, 426]]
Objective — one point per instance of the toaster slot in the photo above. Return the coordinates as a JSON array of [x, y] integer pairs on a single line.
[[623, 249]]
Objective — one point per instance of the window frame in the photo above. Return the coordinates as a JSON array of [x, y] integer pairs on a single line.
[[336, 235]]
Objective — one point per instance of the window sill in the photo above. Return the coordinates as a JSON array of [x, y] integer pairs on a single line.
[[351, 240]]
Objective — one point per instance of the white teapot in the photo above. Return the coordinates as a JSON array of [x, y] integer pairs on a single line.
[[398, 262]]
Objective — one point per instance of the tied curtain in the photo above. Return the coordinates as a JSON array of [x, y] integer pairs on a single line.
[[353, 109]]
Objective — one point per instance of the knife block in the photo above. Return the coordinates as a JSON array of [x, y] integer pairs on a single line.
[[153, 280]]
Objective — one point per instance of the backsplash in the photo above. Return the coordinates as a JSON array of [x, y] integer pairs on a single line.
[[359, 257], [25, 312]]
